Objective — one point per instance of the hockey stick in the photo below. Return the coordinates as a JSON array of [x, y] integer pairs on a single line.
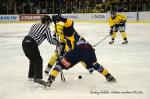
[[101, 41], [62, 76], [105, 38], [61, 72], [59, 13]]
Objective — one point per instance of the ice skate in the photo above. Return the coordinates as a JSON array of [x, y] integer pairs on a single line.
[[125, 42], [50, 81], [111, 42], [110, 78], [40, 81]]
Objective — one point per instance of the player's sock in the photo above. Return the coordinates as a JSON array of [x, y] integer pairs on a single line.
[[51, 62], [124, 36], [53, 74], [104, 72], [113, 38], [100, 69]]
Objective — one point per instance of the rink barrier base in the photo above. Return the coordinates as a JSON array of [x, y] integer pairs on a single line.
[[78, 21]]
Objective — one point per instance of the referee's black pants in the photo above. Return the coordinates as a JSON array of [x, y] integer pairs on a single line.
[[31, 51]]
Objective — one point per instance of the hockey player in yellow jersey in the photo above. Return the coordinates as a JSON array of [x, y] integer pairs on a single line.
[[64, 46], [59, 48], [79, 50], [117, 23]]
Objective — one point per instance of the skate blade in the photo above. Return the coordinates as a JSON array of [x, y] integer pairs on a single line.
[[41, 86]]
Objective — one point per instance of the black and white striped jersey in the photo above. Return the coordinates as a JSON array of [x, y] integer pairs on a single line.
[[40, 32]]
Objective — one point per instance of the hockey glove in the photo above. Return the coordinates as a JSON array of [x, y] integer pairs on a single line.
[[55, 41]]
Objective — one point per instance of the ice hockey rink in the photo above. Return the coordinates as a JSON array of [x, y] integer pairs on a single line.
[[129, 64]]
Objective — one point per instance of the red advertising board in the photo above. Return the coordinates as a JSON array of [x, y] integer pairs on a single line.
[[31, 17]]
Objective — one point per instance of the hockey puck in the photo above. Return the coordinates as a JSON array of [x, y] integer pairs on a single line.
[[80, 77]]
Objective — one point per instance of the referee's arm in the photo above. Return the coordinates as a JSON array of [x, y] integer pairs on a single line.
[[50, 39]]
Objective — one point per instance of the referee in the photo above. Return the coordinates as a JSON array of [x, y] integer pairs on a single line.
[[37, 34]]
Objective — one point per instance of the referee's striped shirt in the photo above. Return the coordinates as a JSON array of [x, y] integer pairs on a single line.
[[40, 32]]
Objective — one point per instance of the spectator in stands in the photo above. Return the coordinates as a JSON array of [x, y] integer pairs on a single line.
[[69, 6]]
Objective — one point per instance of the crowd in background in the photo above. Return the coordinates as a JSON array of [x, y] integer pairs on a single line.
[[71, 6]]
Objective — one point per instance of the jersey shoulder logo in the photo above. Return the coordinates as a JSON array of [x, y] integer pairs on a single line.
[[65, 63]]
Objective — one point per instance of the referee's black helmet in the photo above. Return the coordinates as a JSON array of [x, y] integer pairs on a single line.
[[45, 19]]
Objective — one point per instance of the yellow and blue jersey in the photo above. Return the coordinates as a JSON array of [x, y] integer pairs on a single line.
[[117, 20], [67, 34]]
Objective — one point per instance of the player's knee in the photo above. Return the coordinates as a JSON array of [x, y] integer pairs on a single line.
[[57, 67]]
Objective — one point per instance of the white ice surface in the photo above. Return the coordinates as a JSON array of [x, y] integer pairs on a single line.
[[130, 64]]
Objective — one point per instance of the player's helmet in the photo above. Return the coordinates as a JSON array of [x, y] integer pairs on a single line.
[[45, 19], [113, 14], [56, 18]]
